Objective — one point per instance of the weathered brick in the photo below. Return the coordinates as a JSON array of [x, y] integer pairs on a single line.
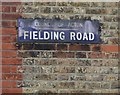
[[65, 62], [43, 62], [62, 9], [29, 9], [28, 62], [45, 77], [80, 85], [46, 54], [74, 47], [111, 77], [95, 48], [63, 69], [96, 55], [61, 54], [63, 85], [84, 70], [80, 78], [105, 85], [44, 47], [109, 62], [28, 46], [109, 33], [89, 77], [76, 91], [62, 3], [23, 54], [5, 8], [112, 55], [45, 10], [97, 4], [96, 11], [83, 62], [63, 77], [47, 91], [12, 76], [79, 10], [10, 16], [110, 70], [109, 4], [110, 18], [93, 85], [62, 46], [115, 85], [45, 69], [110, 41], [45, 3], [81, 55]]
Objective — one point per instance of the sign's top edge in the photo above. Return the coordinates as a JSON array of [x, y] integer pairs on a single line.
[[60, 1]]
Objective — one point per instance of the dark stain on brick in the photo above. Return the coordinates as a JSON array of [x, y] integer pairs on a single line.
[[44, 46], [34, 54], [62, 47], [85, 47], [63, 54], [80, 55], [28, 46], [23, 54], [96, 48]]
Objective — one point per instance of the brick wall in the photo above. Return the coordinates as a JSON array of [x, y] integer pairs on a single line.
[[10, 60], [60, 67]]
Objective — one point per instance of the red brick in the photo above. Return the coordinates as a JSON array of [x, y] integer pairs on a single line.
[[13, 9], [63, 54], [96, 55], [5, 8], [74, 47], [8, 24], [8, 46], [10, 16], [6, 39], [9, 54], [13, 38], [13, 69], [109, 48], [12, 76], [95, 47], [62, 47], [6, 69], [8, 84], [9, 31], [12, 90], [11, 3], [11, 61]]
